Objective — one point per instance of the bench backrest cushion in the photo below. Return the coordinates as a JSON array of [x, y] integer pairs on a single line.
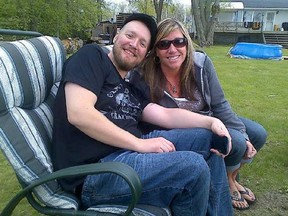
[[30, 71]]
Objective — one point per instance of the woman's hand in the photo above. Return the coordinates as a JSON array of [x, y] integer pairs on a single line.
[[219, 128], [251, 151]]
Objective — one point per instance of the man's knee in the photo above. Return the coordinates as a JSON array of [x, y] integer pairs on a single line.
[[189, 162]]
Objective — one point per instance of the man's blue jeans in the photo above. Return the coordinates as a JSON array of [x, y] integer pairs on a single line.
[[179, 180]]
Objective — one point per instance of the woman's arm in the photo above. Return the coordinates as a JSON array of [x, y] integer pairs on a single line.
[[181, 118], [218, 103]]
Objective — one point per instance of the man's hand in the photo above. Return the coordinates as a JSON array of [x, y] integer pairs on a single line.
[[156, 145]]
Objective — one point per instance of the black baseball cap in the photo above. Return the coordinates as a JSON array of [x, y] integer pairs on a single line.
[[148, 20]]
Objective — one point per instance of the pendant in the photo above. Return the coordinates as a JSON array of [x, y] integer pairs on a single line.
[[174, 89]]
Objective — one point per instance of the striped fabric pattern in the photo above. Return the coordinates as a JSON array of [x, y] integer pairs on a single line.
[[107, 48], [30, 71]]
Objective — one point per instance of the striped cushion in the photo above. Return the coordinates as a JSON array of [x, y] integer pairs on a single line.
[[107, 48], [30, 71]]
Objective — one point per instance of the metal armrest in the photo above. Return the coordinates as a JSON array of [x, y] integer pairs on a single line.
[[121, 169]]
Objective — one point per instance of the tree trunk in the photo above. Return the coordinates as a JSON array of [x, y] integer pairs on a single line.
[[205, 13], [158, 5]]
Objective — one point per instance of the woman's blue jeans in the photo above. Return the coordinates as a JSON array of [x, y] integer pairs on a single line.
[[179, 180], [257, 135]]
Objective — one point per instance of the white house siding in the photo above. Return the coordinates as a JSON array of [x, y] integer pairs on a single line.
[[272, 19], [281, 17], [271, 13]]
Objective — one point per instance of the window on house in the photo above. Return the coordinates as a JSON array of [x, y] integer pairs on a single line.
[[257, 17], [248, 16], [237, 16]]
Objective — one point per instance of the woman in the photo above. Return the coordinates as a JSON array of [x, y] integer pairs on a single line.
[[179, 77]]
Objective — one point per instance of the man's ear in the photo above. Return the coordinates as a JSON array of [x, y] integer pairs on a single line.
[[115, 38]]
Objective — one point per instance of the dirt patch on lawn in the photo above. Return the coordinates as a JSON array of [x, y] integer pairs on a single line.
[[269, 204]]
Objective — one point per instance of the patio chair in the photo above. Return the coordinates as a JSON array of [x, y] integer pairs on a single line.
[[30, 71]]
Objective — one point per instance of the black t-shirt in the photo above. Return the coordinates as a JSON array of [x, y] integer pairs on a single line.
[[120, 102]]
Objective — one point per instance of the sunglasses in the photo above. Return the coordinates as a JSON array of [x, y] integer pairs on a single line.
[[177, 42]]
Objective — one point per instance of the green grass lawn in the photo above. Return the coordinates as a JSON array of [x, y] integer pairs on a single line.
[[256, 89]]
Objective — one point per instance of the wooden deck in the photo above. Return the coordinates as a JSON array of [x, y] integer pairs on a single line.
[[241, 27], [232, 32]]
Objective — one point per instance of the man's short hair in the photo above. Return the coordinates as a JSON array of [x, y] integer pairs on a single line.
[[148, 20]]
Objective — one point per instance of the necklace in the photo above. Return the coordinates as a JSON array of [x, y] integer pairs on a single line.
[[173, 87]]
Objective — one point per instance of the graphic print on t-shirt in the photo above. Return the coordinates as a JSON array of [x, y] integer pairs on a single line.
[[127, 106]]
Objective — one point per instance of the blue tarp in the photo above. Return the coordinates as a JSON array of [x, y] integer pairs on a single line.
[[256, 51]]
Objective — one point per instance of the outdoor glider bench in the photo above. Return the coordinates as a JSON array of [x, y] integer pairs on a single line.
[[30, 71]]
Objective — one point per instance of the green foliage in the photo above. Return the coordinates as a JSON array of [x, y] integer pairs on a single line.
[[143, 6], [62, 18], [75, 18], [169, 8]]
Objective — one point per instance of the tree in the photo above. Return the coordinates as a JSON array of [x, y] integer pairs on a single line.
[[62, 18], [142, 6], [158, 5], [174, 10], [74, 18], [205, 14]]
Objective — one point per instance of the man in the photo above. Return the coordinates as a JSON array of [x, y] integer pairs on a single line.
[[96, 120]]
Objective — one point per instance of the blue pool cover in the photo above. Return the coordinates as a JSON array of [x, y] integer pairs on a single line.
[[256, 51]]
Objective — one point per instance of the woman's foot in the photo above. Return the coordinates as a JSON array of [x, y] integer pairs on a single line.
[[238, 201], [246, 193]]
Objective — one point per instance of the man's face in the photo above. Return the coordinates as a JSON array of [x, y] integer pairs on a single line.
[[130, 46]]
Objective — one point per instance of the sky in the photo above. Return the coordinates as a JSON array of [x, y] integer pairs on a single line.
[[185, 2]]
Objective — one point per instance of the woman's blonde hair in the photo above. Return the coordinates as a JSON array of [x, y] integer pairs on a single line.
[[151, 66]]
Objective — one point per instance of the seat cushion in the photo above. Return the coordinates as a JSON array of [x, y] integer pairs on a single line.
[[30, 71], [139, 210]]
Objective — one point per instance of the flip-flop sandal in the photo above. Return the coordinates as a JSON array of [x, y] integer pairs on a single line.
[[247, 192], [236, 198]]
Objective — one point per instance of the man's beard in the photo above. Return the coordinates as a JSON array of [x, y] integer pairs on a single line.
[[121, 62]]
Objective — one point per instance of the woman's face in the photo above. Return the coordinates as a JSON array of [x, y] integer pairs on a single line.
[[172, 56]]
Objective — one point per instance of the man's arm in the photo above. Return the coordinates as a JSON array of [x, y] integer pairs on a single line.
[[82, 114]]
